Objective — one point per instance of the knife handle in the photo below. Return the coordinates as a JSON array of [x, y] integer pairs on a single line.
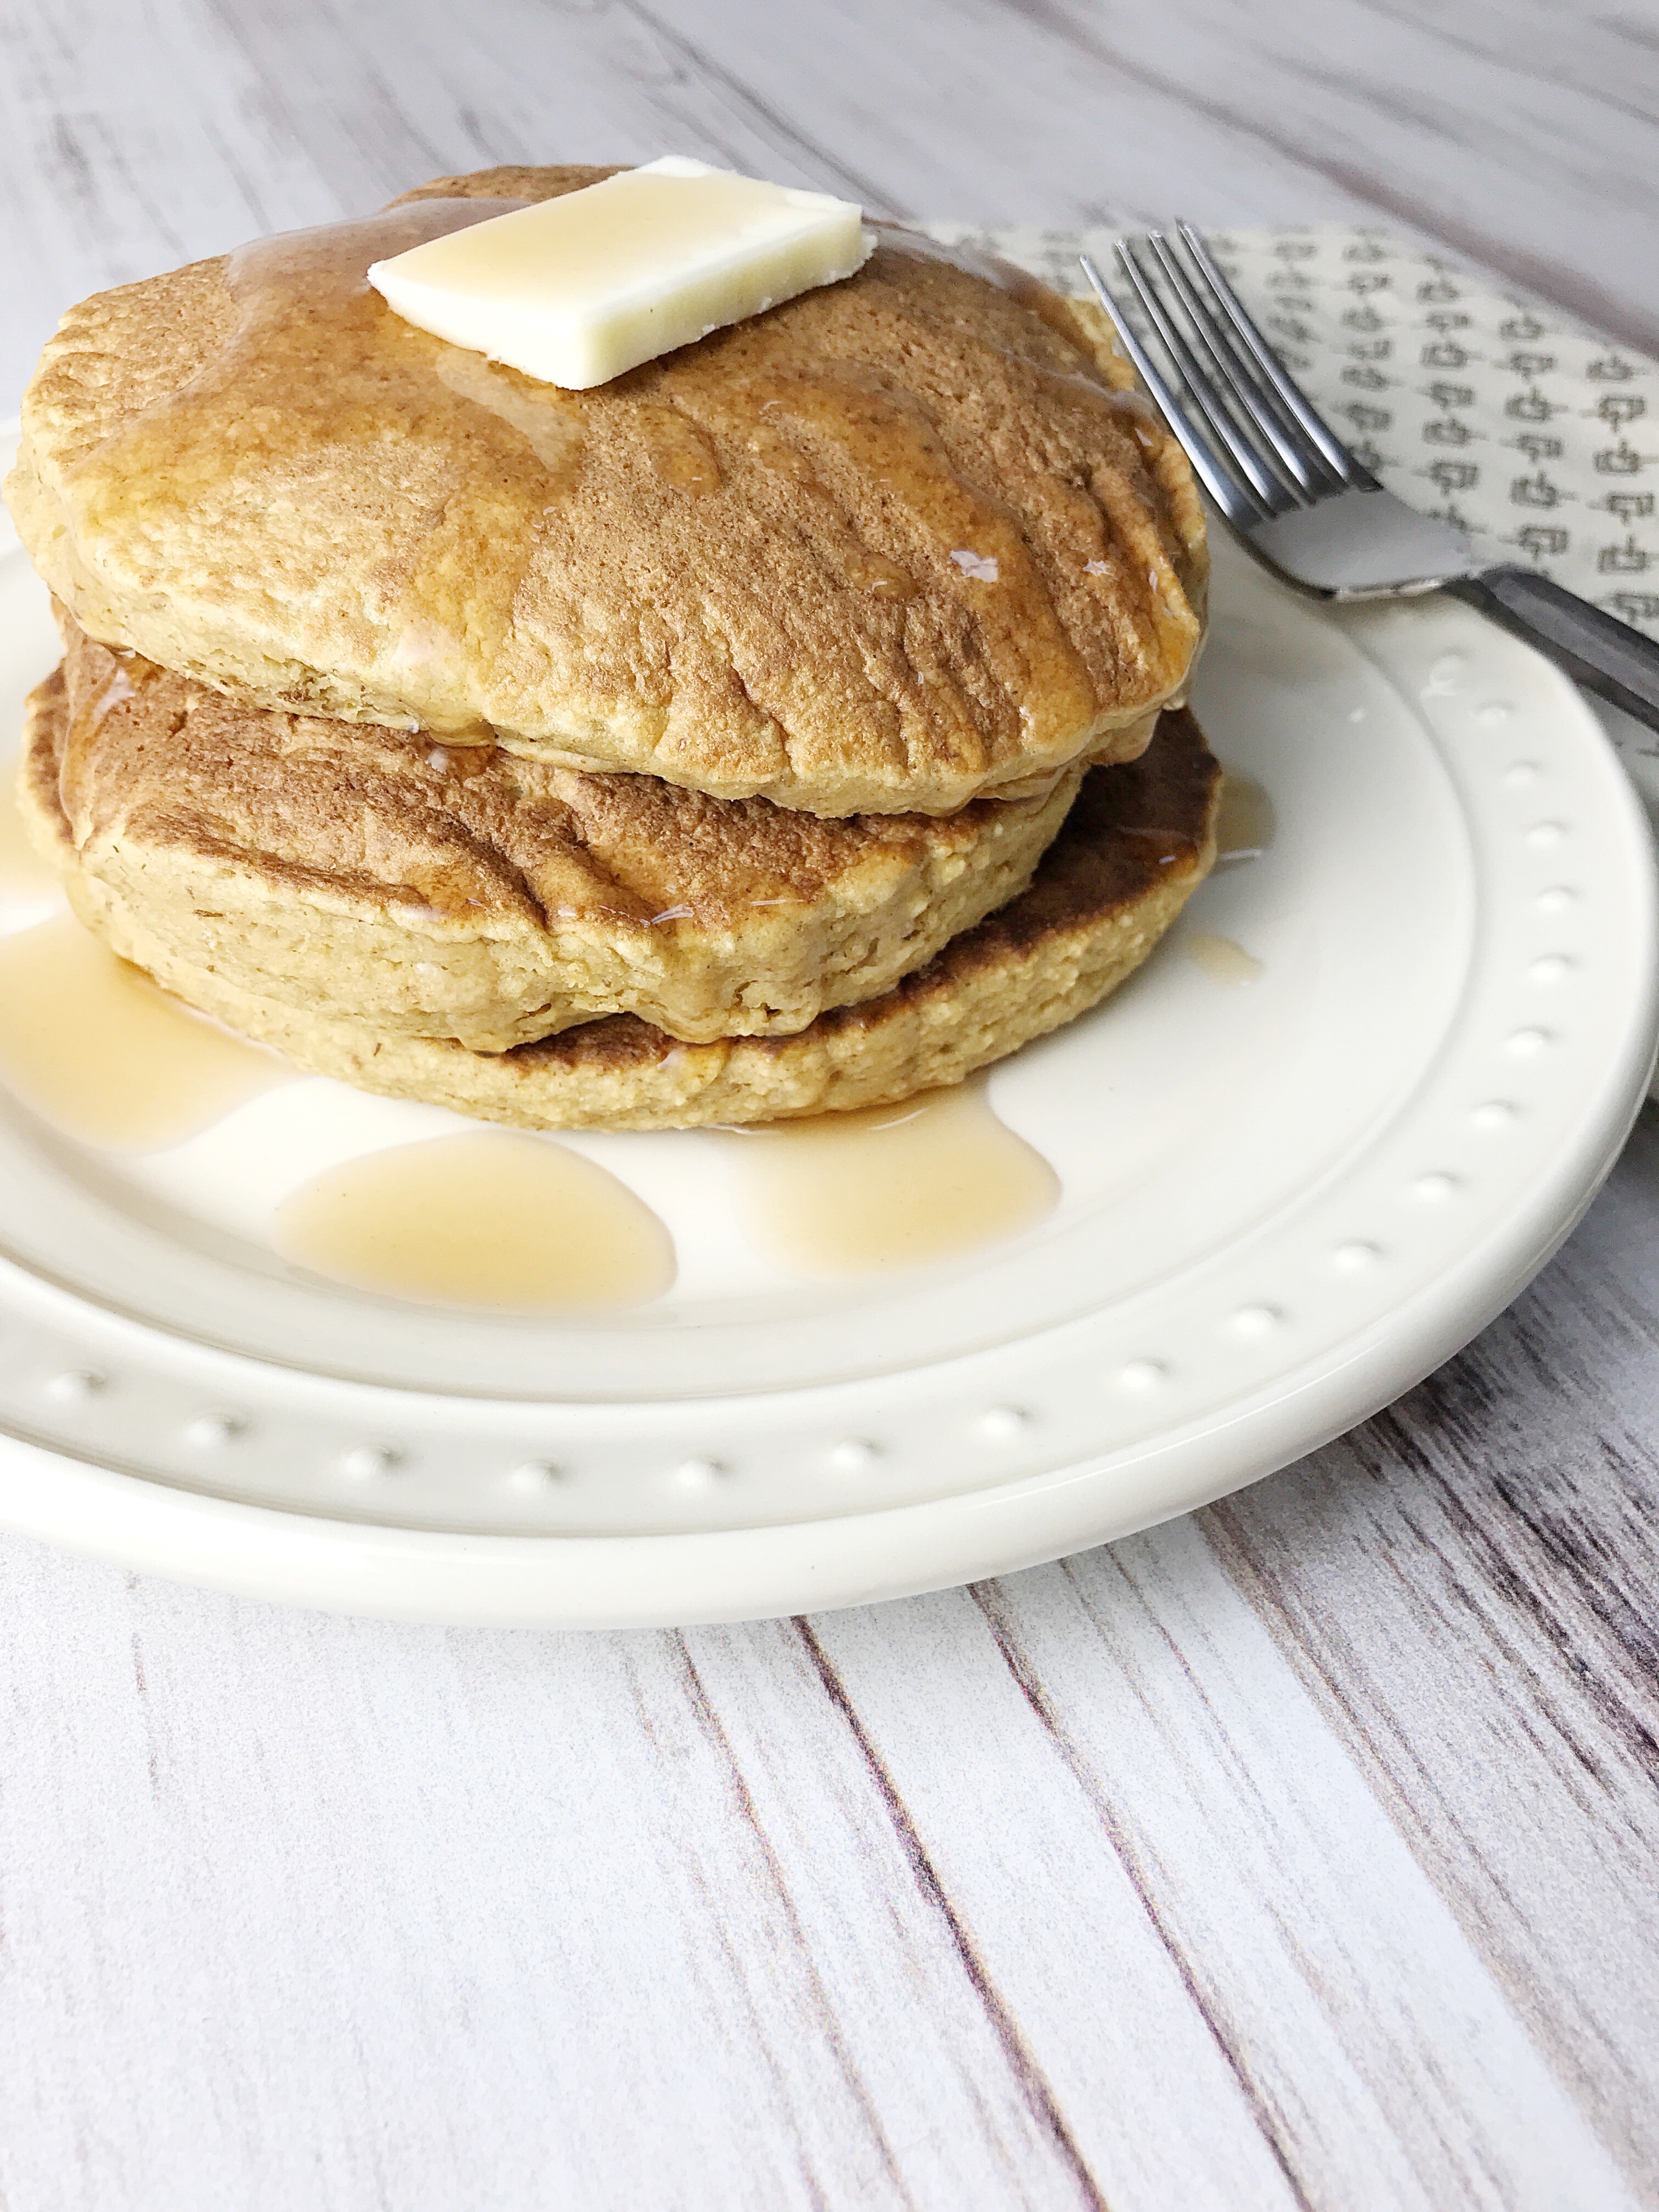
[[1605, 655]]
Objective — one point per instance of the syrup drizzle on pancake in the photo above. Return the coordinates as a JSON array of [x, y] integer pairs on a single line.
[[1166, 848], [515, 1223], [890, 1187]]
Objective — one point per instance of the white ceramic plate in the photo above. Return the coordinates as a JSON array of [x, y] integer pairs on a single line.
[[1283, 1204]]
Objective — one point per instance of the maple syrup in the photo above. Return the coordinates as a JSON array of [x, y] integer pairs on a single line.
[[23, 873], [1245, 822], [510, 1223], [1220, 956], [97, 1049], [890, 1187]]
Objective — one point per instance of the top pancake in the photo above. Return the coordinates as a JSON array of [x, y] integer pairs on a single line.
[[902, 541]]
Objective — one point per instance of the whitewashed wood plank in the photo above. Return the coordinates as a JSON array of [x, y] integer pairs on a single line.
[[1508, 157], [1612, 54], [1232, 1836], [1467, 1588], [870, 1971], [970, 106], [305, 1911], [131, 144], [1106, 2009]]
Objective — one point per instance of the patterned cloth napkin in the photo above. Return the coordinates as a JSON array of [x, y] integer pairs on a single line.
[[1468, 401]]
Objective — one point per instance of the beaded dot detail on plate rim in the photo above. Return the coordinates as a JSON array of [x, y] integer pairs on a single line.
[[363, 1462], [1550, 968], [74, 1383], [1492, 712], [1001, 1422], [1434, 1187], [1494, 1114], [533, 1475], [697, 1473], [1355, 1255], [853, 1454], [1526, 1044], [1519, 773], [1543, 834], [1256, 1320], [208, 1430], [1557, 899], [1141, 1375]]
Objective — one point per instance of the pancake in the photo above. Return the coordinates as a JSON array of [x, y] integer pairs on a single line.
[[1136, 843], [900, 543], [467, 893]]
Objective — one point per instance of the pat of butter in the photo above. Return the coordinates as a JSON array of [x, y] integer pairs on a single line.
[[577, 289]]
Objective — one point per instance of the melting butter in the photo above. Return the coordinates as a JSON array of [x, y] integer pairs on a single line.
[[1220, 956], [576, 290], [94, 1047], [891, 1186], [494, 1221]]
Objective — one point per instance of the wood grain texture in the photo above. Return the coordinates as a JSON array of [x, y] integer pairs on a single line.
[[297, 1904], [1299, 1855], [1487, 1550]]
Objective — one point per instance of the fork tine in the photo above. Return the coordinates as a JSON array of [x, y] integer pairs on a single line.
[[1307, 474], [1249, 336], [1235, 499], [1202, 390]]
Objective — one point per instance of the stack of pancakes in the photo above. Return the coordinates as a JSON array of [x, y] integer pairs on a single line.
[[787, 726]]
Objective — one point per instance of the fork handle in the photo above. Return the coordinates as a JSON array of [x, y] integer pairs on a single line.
[[1605, 655]]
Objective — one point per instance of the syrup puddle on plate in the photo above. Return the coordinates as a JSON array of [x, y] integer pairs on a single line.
[[97, 1049], [889, 1185], [506, 1222], [1245, 821], [1222, 957], [23, 873]]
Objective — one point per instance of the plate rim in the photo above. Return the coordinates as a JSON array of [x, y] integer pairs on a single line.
[[382, 1570]]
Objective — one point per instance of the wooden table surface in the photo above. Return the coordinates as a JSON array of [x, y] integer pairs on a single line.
[[1299, 1853]]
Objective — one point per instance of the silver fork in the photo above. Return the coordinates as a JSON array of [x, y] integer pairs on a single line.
[[1297, 497]]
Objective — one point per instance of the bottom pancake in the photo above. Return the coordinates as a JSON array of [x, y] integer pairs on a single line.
[[1135, 845]]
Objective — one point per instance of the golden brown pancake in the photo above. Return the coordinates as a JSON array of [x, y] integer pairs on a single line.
[[467, 892], [1135, 845], [902, 542]]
